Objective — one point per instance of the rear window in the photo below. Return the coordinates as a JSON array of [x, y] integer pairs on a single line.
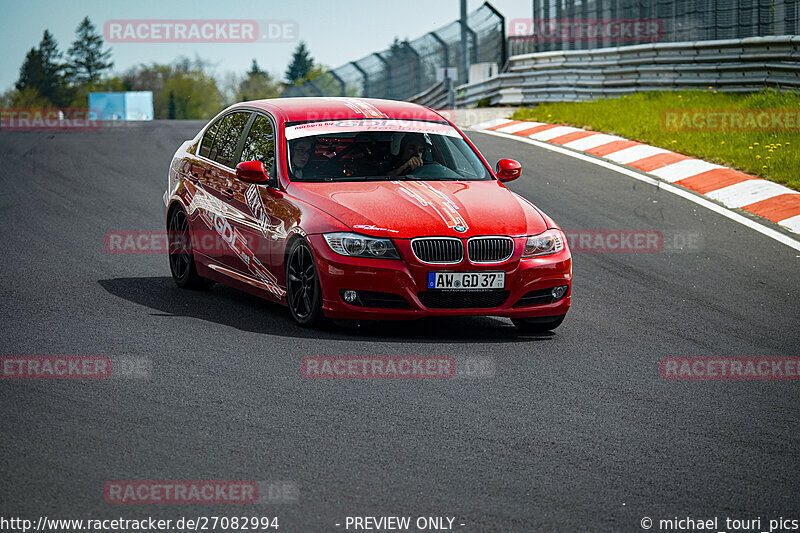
[[208, 140], [227, 138]]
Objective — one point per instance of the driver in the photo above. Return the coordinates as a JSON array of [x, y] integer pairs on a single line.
[[301, 149], [409, 158]]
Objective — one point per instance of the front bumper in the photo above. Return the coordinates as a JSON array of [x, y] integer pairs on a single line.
[[407, 278]]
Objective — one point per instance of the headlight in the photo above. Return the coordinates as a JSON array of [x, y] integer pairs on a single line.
[[355, 245], [546, 243]]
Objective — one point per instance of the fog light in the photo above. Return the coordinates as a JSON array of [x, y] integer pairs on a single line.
[[350, 296], [558, 292]]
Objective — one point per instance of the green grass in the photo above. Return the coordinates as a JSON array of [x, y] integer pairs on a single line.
[[773, 155]]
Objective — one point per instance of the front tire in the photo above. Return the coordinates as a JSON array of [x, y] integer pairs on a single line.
[[303, 292], [539, 324], [181, 257]]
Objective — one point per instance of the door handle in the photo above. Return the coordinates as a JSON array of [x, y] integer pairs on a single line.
[[228, 193], [194, 177]]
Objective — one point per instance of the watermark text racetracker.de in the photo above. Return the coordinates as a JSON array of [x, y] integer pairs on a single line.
[[89, 367], [160, 242], [392, 367], [730, 368], [587, 30], [740, 120], [142, 492], [200, 31], [49, 119], [632, 241]]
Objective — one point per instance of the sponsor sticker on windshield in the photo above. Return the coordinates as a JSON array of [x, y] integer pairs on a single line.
[[358, 125]]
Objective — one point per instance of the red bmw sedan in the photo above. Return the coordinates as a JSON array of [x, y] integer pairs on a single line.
[[360, 209]]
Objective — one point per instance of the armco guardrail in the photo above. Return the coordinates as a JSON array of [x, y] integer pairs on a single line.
[[434, 97], [741, 65]]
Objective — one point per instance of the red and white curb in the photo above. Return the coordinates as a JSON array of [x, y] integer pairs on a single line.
[[731, 188]]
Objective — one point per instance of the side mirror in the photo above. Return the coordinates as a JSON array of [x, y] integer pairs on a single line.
[[252, 172], [508, 170]]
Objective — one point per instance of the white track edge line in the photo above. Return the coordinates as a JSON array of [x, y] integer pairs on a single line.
[[724, 211]]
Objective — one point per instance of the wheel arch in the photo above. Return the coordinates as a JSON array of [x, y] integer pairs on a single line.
[[296, 235], [174, 204]]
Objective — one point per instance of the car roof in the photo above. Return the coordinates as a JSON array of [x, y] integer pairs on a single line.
[[336, 108]]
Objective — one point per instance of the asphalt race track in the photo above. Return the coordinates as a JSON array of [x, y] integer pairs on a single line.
[[574, 431]]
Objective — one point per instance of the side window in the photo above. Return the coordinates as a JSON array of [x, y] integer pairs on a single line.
[[227, 138], [208, 139], [260, 143]]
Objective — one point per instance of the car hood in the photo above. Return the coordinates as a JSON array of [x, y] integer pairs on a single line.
[[408, 209]]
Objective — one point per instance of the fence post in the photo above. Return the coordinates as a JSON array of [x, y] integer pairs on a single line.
[[765, 18], [418, 64], [388, 68], [314, 86], [537, 10], [448, 83], [444, 46], [546, 17], [451, 93], [463, 59], [340, 81], [585, 16], [571, 44], [503, 51], [365, 75]]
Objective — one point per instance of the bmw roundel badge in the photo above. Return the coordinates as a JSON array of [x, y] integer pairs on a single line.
[[460, 228]]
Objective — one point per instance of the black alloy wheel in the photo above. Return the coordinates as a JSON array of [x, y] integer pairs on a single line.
[[303, 294], [181, 259]]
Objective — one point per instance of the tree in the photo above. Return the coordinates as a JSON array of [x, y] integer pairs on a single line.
[[301, 64], [7, 98], [323, 82], [229, 87], [194, 94], [51, 56], [55, 86], [43, 72], [171, 107], [255, 70], [31, 73], [87, 59], [28, 98], [80, 94], [256, 85]]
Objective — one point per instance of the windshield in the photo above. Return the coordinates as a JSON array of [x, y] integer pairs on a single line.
[[372, 150]]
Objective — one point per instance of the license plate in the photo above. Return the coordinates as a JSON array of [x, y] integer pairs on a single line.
[[467, 281]]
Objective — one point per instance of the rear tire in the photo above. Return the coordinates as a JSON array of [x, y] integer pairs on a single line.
[[538, 324], [181, 257], [303, 292]]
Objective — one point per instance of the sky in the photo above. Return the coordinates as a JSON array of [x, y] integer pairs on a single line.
[[335, 32]]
